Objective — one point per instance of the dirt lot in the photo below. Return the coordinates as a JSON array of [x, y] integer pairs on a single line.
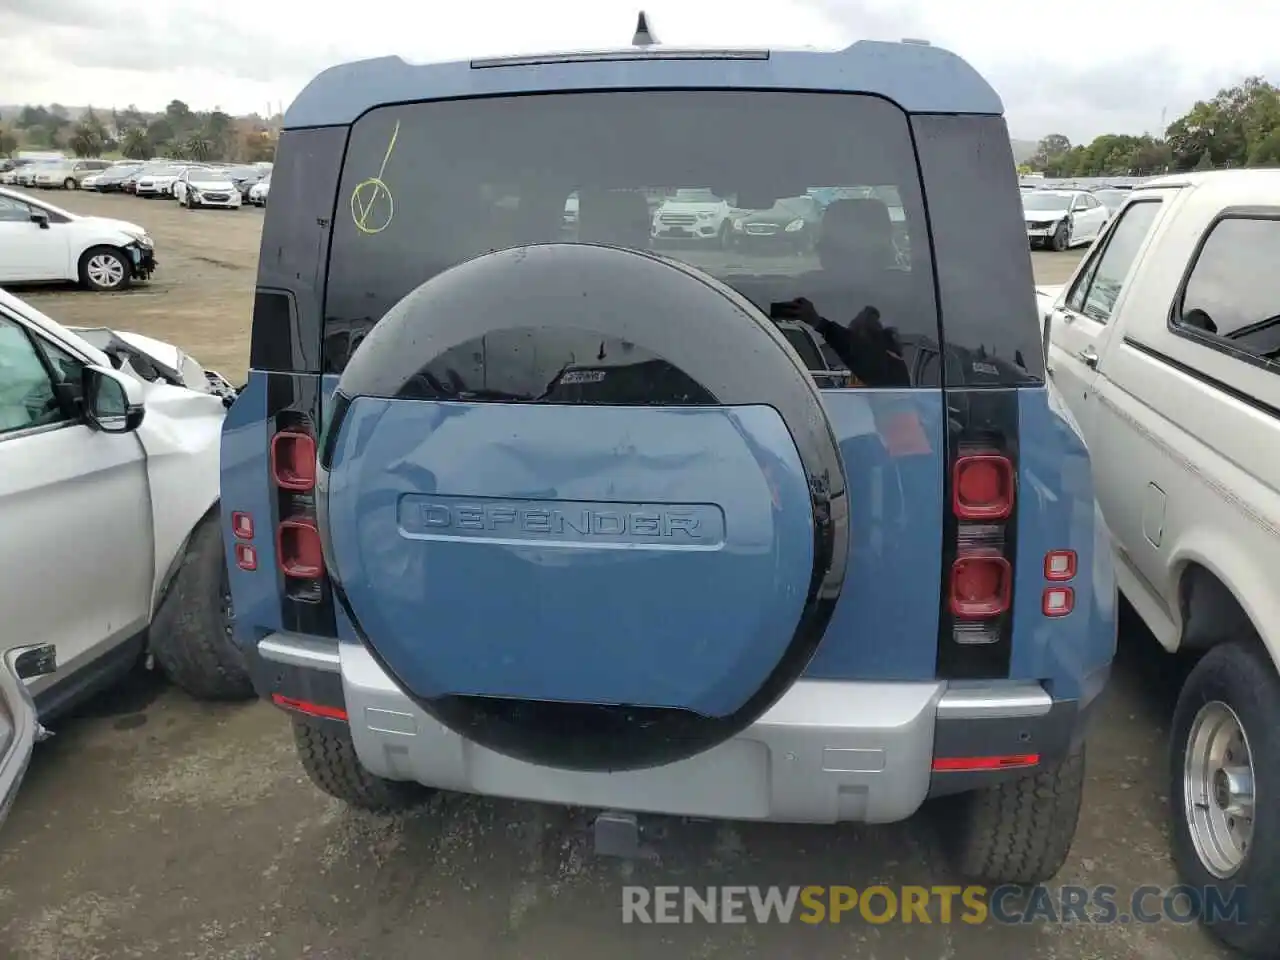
[[154, 827]]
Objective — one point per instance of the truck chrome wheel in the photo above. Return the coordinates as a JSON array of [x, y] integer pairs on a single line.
[[1217, 785]]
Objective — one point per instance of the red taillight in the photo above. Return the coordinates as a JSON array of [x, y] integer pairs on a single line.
[[1058, 601], [982, 487], [242, 525], [298, 550], [246, 557], [981, 585], [293, 460]]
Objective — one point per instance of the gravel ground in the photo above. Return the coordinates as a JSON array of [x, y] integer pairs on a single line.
[[151, 826]]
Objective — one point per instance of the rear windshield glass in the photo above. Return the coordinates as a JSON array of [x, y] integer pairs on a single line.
[[781, 195]]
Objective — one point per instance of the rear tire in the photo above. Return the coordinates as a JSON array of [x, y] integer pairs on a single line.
[[328, 755], [191, 634], [70, 184], [1241, 678], [1019, 831]]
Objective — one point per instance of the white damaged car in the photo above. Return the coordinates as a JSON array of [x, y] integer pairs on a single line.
[[42, 243], [200, 187], [109, 509]]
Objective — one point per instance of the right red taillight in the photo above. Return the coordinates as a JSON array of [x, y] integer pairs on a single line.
[[980, 588]]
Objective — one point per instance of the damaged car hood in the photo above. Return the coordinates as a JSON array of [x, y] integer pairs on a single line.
[[152, 360]]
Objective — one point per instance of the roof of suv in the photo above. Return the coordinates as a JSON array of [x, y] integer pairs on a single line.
[[919, 78], [1263, 177]]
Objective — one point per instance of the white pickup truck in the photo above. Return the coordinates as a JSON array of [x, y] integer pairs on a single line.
[[1165, 345]]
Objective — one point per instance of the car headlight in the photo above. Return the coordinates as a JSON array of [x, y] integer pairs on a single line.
[[143, 240], [795, 225], [705, 214]]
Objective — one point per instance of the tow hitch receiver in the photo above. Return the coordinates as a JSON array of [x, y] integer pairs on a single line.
[[618, 834]]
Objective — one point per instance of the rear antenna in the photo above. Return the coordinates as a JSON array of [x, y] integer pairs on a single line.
[[644, 36]]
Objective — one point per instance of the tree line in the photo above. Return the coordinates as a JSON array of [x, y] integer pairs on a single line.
[[1239, 127], [178, 132]]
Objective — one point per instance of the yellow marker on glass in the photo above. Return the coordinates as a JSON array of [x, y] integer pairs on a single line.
[[368, 211]]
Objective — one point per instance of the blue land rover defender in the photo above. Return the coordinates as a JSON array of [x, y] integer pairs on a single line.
[[542, 501]]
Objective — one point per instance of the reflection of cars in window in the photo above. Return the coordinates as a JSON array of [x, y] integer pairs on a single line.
[[692, 214], [790, 224]]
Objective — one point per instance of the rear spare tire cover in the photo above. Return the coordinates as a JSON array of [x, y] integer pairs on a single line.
[[584, 505]]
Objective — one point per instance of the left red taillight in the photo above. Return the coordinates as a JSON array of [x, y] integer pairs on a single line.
[[981, 585], [293, 460], [299, 554], [298, 551]]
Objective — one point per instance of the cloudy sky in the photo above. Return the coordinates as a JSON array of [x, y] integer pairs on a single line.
[[1110, 65]]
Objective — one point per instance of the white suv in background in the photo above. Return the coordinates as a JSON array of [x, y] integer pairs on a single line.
[[692, 213], [42, 243]]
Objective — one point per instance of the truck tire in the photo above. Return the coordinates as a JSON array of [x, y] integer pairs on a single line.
[[1020, 831], [191, 633], [1234, 684], [329, 758]]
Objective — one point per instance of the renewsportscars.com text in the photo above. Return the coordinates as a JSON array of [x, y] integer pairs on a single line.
[[973, 905]]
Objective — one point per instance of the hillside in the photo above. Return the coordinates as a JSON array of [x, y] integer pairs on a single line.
[[1023, 150]]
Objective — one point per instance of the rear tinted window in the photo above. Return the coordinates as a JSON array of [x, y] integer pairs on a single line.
[[1233, 292], [781, 195]]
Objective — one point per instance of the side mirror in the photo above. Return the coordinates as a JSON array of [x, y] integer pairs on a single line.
[[112, 400], [40, 219]]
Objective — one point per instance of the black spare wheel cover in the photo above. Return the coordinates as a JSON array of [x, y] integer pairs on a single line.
[[474, 396]]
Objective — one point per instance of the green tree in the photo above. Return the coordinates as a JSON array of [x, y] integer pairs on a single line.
[[160, 131], [198, 147], [1049, 152], [1227, 127], [181, 119], [135, 145], [220, 131], [86, 140], [8, 142], [1205, 162], [1266, 152]]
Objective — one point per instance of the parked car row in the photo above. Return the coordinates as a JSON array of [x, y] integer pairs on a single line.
[[226, 185]]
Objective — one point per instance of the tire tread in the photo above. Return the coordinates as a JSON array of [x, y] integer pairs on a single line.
[[328, 756]]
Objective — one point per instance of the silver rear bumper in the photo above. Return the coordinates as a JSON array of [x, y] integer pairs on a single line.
[[826, 752]]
